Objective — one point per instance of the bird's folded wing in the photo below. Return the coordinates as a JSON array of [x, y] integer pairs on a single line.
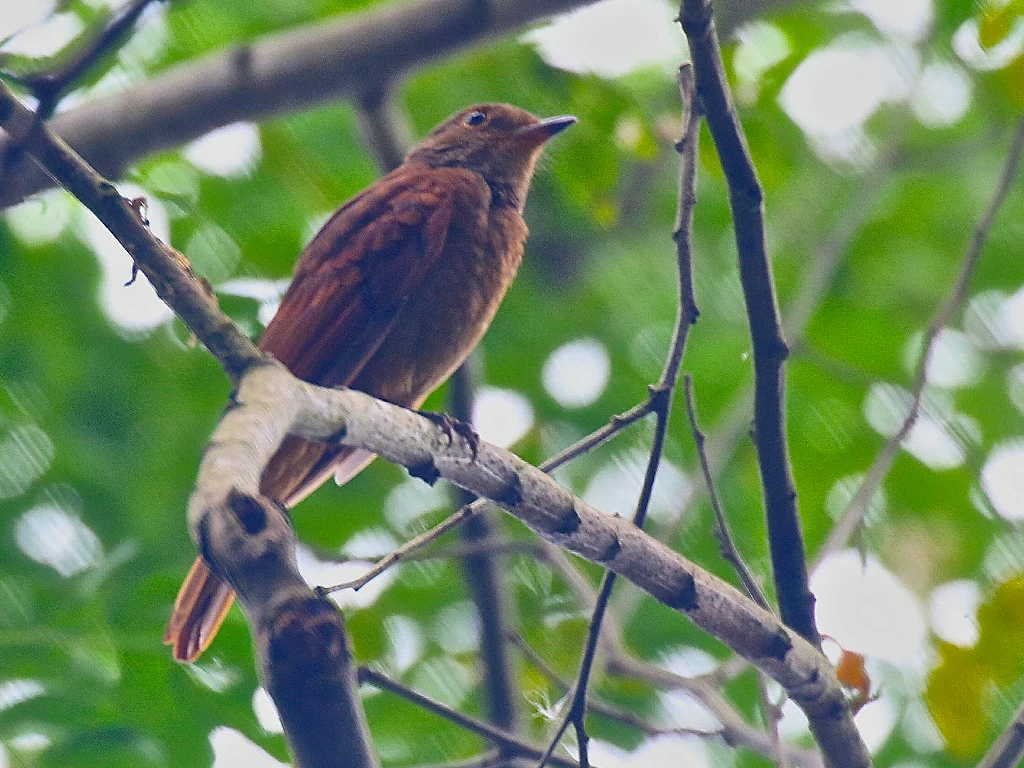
[[349, 290]]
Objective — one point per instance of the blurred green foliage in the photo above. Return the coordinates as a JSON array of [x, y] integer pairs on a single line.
[[101, 428]]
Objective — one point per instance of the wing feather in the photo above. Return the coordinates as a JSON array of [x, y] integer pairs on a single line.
[[350, 287]]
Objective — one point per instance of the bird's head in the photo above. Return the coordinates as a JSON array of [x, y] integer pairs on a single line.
[[499, 141]]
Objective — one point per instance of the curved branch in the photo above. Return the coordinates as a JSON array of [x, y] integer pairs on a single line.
[[285, 72]]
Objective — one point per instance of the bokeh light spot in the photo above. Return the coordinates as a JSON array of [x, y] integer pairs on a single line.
[[576, 374], [952, 611], [501, 416], [1002, 478], [867, 609], [616, 486], [53, 536], [611, 38], [232, 151]]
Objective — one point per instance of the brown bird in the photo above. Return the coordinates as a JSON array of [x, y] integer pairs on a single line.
[[389, 298]]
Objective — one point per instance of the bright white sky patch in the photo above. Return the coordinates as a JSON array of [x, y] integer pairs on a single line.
[[266, 711], [616, 486], [968, 47], [40, 219], [405, 641], [1002, 477], [943, 94], [323, 573], [54, 537], [267, 292], [838, 88], [46, 35], [456, 628], [987, 320], [29, 741], [612, 38], [937, 437], [233, 750], [907, 20], [134, 309], [868, 610], [761, 46], [655, 752], [410, 500], [955, 360], [501, 416], [576, 374], [17, 16], [953, 609], [370, 543], [678, 709], [231, 151], [1013, 319], [14, 692]]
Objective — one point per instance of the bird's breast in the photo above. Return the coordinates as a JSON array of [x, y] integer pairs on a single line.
[[443, 321]]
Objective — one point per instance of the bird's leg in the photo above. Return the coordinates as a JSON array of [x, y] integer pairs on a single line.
[[452, 427]]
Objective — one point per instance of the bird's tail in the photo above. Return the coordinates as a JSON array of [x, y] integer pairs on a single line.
[[204, 599], [203, 602]]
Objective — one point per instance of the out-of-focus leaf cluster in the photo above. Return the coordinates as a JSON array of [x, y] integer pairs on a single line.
[[101, 429]]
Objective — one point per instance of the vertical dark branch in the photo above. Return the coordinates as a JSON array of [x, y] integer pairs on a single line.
[[487, 587], [789, 563], [384, 128], [726, 545], [307, 666]]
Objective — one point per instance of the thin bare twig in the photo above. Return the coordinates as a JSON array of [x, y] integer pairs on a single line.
[[726, 545], [772, 716], [49, 87], [854, 512], [496, 736], [661, 395], [587, 443], [614, 713]]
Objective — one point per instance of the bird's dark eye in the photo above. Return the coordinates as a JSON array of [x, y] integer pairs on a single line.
[[474, 119]]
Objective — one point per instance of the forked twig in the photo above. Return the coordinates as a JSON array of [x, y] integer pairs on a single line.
[[726, 544]]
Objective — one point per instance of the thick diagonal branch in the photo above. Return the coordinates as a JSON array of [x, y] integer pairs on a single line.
[[271, 403]]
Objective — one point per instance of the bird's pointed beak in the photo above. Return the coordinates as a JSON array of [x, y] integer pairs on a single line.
[[543, 130]]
